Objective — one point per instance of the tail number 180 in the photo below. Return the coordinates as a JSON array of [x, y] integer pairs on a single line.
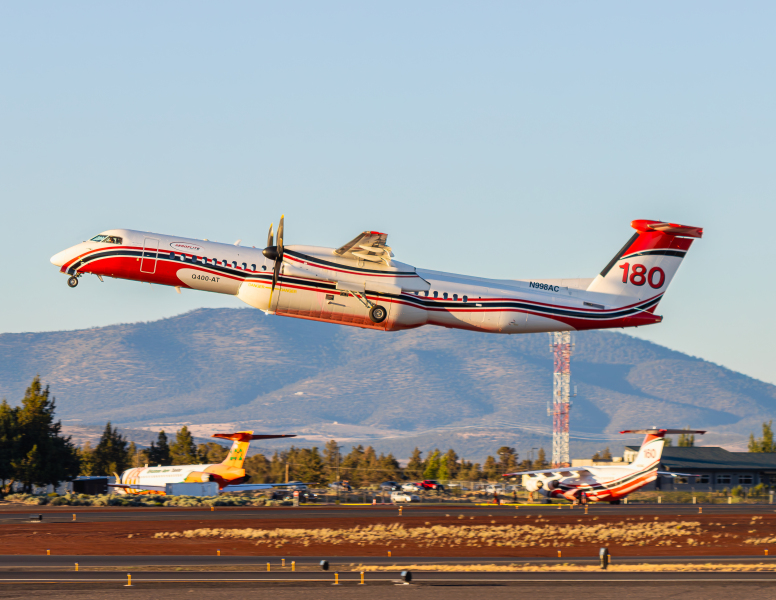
[[639, 276]]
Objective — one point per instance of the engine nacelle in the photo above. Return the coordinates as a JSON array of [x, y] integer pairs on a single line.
[[197, 477]]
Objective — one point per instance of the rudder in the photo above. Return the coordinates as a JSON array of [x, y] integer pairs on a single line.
[[647, 263]]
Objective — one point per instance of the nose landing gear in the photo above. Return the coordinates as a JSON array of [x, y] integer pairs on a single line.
[[72, 281]]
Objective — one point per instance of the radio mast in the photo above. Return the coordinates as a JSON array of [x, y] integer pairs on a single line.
[[562, 346]]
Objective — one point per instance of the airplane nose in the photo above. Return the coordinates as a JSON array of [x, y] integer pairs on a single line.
[[60, 258]]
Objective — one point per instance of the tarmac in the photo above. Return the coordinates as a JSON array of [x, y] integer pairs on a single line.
[[126, 514]]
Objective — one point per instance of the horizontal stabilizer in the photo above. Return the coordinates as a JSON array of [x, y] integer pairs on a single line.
[[672, 474], [247, 436], [662, 432], [645, 226]]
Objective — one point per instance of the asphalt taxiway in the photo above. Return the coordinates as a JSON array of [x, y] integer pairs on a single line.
[[321, 513]]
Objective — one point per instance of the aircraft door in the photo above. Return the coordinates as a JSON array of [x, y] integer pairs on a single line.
[[148, 259]]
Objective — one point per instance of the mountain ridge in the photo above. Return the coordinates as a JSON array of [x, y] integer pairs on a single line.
[[430, 387]]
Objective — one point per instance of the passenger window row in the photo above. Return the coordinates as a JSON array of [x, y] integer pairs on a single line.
[[214, 261], [445, 296]]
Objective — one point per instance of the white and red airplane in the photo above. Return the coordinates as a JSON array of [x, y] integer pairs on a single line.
[[360, 284], [604, 484], [228, 474]]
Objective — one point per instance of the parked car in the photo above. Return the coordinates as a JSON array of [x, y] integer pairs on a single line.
[[341, 486], [430, 484], [495, 487], [410, 487], [404, 497], [390, 486]]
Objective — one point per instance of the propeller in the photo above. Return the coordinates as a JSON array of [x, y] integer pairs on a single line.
[[274, 251]]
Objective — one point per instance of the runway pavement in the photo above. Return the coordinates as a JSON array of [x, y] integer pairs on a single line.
[[9, 562], [97, 515], [418, 577]]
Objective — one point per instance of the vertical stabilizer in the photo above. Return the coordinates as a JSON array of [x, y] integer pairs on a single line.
[[647, 263], [652, 447], [241, 441]]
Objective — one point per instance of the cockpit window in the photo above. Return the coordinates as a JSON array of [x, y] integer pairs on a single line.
[[107, 239]]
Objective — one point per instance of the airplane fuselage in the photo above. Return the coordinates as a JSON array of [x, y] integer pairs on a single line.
[[314, 283]]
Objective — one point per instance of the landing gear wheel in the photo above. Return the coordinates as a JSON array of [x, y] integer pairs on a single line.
[[72, 281], [378, 313]]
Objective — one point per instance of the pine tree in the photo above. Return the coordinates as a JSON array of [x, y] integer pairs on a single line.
[[541, 460], [431, 466], [414, 468], [443, 474], [389, 468], [159, 453], [110, 455], [183, 449], [211, 453], [86, 458], [308, 466], [277, 467], [134, 456], [9, 434], [686, 440], [490, 469], [332, 460], [257, 468], [368, 471], [351, 464], [607, 455], [507, 459], [451, 461], [766, 442], [41, 456]]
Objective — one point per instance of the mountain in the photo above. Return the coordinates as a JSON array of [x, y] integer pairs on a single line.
[[221, 369]]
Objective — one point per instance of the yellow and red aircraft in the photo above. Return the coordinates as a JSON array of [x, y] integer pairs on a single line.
[[229, 474]]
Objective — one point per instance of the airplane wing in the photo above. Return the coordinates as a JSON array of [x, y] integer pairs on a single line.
[[672, 474], [250, 487], [556, 471], [137, 486], [369, 245]]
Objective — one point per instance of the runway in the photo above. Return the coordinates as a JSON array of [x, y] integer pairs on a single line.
[[418, 577], [126, 514], [13, 561]]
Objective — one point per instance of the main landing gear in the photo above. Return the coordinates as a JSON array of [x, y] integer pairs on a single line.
[[72, 281], [377, 313]]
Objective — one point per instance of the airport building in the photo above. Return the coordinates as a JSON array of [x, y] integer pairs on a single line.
[[718, 468]]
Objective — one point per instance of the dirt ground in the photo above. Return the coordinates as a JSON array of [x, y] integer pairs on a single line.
[[721, 534]]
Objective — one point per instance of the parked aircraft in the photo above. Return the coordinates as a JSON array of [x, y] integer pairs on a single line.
[[360, 284], [229, 474], [607, 484]]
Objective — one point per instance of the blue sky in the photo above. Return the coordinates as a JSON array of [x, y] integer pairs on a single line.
[[503, 139]]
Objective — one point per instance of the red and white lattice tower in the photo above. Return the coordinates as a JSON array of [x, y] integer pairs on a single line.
[[562, 346]]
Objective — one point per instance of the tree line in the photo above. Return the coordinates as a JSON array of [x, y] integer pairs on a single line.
[[33, 452]]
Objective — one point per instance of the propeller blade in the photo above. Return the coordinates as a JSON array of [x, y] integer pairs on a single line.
[[275, 274], [270, 241], [280, 236]]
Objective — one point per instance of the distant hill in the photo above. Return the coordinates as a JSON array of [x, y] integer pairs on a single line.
[[220, 369]]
